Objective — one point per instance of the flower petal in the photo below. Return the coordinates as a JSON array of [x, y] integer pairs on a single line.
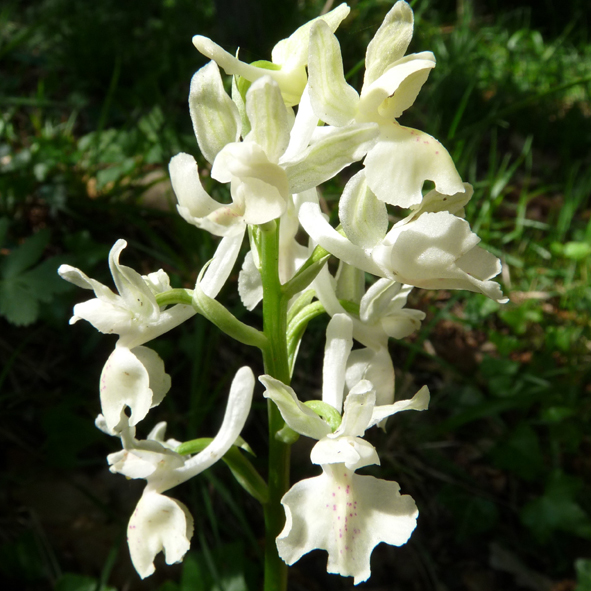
[[397, 89], [363, 216], [268, 116], [193, 201], [420, 401], [323, 233], [339, 342], [403, 159], [158, 523], [390, 42], [215, 117], [135, 379], [331, 149], [293, 51], [250, 284], [352, 452], [297, 415], [333, 100], [375, 366], [347, 515], [222, 263]]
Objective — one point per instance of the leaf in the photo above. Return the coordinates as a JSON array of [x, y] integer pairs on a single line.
[[25, 255], [557, 509]]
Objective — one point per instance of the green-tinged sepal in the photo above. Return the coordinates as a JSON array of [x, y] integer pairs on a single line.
[[244, 472]]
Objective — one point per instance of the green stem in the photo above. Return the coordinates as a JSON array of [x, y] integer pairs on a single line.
[[276, 365], [175, 296]]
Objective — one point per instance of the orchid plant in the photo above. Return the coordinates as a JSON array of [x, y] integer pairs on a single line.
[[291, 124]]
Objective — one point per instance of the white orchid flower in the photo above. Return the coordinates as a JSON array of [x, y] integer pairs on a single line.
[[289, 57], [339, 511], [277, 158], [432, 248], [403, 158], [133, 376], [160, 523]]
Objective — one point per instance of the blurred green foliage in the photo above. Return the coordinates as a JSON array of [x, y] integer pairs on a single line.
[[93, 106]]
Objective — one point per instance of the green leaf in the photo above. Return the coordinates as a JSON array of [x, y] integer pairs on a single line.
[[17, 303], [25, 255], [557, 509]]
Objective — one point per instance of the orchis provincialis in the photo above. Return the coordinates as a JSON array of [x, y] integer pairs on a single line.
[[278, 157], [403, 158], [274, 159], [340, 511], [160, 522], [289, 57], [133, 376]]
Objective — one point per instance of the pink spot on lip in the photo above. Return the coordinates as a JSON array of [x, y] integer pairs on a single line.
[[425, 142], [334, 507]]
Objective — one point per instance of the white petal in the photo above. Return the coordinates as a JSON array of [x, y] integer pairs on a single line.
[[428, 252], [237, 410], [133, 289], [397, 89], [264, 201], [323, 233], [158, 523], [420, 401], [352, 452], [331, 149], [268, 116], [221, 265], [250, 284], [135, 381], [390, 42], [291, 80], [106, 318], [297, 415], [301, 133], [333, 100], [374, 366], [358, 409], [293, 51], [187, 187], [215, 118], [363, 216], [403, 159], [339, 342], [347, 515]]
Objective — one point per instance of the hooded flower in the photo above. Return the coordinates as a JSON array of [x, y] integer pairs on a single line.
[[403, 158], [289, 57], [276, 158], [339, 511], [432, 248], [133, 376], [160, 523]]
